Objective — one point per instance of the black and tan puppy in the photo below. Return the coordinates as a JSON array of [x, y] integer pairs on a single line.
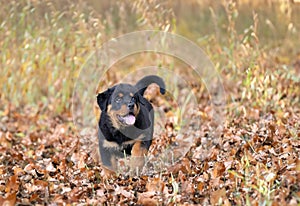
[[126, 122]]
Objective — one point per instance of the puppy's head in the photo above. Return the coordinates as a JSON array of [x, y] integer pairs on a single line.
[[121, 104]]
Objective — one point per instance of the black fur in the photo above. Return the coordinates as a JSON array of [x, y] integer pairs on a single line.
[[122, 135]]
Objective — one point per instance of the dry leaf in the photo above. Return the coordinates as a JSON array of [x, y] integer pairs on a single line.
[[218, 196], [218, 170], [9, 200], [155, 185], [147, 199], [12, 185]]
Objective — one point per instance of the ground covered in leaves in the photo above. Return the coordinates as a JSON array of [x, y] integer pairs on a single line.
[[252, 158]]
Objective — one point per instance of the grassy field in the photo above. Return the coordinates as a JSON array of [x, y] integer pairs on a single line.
[[252, 160]]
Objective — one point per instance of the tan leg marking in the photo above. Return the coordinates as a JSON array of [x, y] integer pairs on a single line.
[[138, 154]]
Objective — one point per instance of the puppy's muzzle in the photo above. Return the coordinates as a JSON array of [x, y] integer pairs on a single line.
[[130, 106], [129, 118]]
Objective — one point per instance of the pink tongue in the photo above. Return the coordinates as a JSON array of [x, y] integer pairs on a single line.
[[129, 119]]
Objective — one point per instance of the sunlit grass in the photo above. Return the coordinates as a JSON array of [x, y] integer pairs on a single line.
[[254, 46], [44, 44]]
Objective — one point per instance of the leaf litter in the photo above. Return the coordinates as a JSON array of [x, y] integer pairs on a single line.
[[253, 159]]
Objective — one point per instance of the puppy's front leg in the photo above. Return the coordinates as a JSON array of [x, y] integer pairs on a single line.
[[108, 154], [138, 154], [106, 157]]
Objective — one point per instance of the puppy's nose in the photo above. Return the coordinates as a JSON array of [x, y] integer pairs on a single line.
[[130, 105]]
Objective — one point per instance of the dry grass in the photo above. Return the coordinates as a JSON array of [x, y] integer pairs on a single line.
[[253, 44]]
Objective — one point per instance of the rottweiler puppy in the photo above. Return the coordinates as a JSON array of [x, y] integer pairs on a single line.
[[126, 122]]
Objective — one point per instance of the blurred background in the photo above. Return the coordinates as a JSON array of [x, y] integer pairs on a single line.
[[43, 44]]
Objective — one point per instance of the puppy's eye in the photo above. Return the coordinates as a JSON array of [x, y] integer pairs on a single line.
[[133, 99], [118, 99]]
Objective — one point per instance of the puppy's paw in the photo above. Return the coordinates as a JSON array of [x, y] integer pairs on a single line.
[[107, 174]]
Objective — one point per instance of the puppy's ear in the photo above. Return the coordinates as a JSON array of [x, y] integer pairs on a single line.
[[141, 99], [104, 98]]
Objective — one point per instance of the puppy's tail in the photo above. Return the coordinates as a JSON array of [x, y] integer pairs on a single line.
[[147, 80]]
